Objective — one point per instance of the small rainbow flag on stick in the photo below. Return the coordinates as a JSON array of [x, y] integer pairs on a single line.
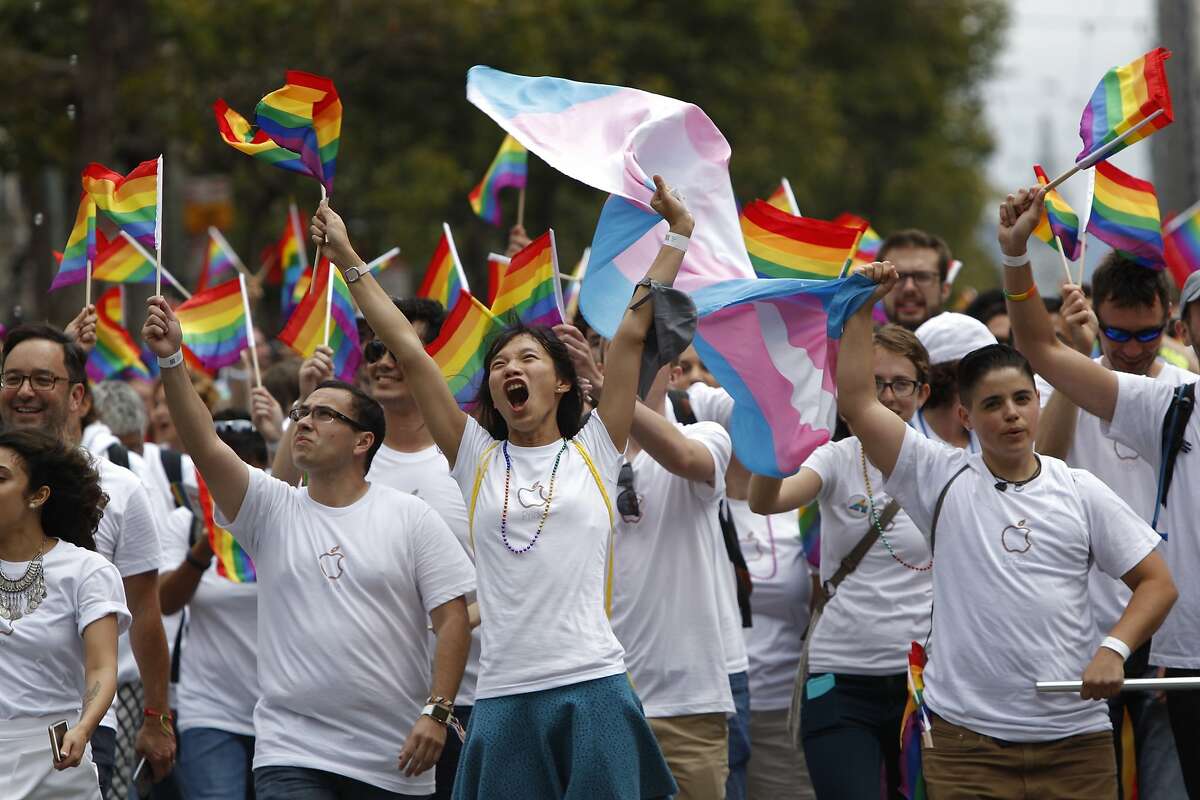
[[131, 201], [460, 347], [783, 246], [1125, 215], [497, 265], [1059, 225], [1135, 96], [122, 261], [81, 246], [233, 562], [869, 244], [219, 260], [326, 316], [783, 199], [444, 279], [1181, 244], [216, 325], [115, 352], [531, 288], [914, 727], [293, 261], [508, 170]]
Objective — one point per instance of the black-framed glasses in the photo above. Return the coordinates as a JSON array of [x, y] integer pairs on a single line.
[[375, 350], [901, 387], [627, 500], [41, 380], [923, 278], [323, 414], [1121, 335]]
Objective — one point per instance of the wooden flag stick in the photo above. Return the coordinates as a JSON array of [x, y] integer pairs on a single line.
[[317, 257], [1103, 152], [328, 301], [250, 329], [1063, 255], [521, 207]]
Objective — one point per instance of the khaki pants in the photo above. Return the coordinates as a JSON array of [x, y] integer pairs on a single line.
[[964, 764], [695, 746], [777, 770]]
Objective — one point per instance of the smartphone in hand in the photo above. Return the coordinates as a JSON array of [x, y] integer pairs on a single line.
[[58, 732]]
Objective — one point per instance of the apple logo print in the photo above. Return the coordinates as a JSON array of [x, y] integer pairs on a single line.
[[1018, 540], [331, 562], [536, 493]]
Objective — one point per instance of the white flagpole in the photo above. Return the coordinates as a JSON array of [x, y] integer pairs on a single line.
[[1103, 152], [558, 298], [328, 301], [791, 198], [229, 251], [250, 329], [158, 199], [163, 271], [1087, 217], [317, 262], [383, 259], [1181, 219]]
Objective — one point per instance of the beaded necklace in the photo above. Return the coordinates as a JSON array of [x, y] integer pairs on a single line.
[[545, 509], [875, 519]]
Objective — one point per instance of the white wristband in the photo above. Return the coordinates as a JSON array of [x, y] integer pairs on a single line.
[[1117, 646], [676, 240], [1014, 261], [173, 360]]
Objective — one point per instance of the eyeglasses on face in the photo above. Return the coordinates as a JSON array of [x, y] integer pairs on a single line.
[[41, 380], [374, 350], [627, 500], [901, 387], [323, 414], [1121, 335], [922, 278]]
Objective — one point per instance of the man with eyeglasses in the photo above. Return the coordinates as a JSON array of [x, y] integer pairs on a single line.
[[923, 262], [42, 386], [350, 575], [1131, 306]]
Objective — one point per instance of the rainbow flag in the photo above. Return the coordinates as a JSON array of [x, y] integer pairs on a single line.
[[784, 246], [215, 324], [444, 279], [233, 562], [80, 247], [531, 288], [1181, 247], [810, 534], [496, 267], [122, 261], [1125, 97], [305, 329], [783, 199], [914, 727], [1059, 225], [508, 169], [460, 347], [115, 352], [575, 284], [131, 201], [293, 261], [1125, 215], [869, 244], [217, 262]]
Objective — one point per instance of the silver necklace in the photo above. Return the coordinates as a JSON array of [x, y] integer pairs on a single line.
[[21, 596]]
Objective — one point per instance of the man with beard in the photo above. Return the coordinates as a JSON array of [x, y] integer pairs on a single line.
[[923, 262]]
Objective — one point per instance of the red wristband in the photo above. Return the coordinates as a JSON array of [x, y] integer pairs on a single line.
[[164, 719]]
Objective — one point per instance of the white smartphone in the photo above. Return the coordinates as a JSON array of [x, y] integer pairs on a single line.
[[58, 732]]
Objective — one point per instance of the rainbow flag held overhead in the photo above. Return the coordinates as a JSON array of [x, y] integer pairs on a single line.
[[461, 346], [784, 246], [575, 285], [305, 329], [115, 353], [1125, 97], [1059, 225], [215, 325], [507, 170], [444, 279], [531, 288], [218, 263], [914, 727], [868, 245], [122, 261], [496, 267], [1182, 246], [131, 201], [1125, 215], [783, 199], [233, 562], [80, 248]]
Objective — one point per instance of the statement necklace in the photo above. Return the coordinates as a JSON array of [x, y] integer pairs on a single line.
[[875, 520], [23, 595], [545, 507]]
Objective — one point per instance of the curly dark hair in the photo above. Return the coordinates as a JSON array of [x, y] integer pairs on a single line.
[[570, 407], [76, 502]]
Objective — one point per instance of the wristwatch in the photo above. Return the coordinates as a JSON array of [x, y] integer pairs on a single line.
[[351, 274], [438, 713]]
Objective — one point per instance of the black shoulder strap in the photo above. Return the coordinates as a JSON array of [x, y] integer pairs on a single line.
[[682, 406], [734, 551], [1174, 427], [937, 508], [172, 464], [118, 454]]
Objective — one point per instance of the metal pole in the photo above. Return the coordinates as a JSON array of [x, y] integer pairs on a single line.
[[1131, 685]]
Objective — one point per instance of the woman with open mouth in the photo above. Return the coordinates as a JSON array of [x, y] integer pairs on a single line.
[[555, 715]]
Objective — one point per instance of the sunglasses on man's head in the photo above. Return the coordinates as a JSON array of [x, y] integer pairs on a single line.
[[627, 500], [1121, 335]]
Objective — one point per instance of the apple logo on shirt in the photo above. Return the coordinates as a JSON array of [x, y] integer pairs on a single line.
[[331, 562], [1015, 538], [533, 497]]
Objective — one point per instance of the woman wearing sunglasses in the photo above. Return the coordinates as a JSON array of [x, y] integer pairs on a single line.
[[555, 715], [854, 698]]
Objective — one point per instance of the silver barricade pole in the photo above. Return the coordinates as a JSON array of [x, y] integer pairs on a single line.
[[1131, 685]]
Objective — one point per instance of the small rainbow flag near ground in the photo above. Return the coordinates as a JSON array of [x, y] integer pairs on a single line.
[[1125, 215], [115, 352], [218, 262], [1181, 245], [783, 199], [531, 288], [496, 267], [1125, 97], [1059, 224], [131, 201], [508, 170], [869, 244], [305, 329], [122, 261], [783, 246], [914, 727], [461, 346], [215, 324], [233, 562], [444, 279], [80, 247]]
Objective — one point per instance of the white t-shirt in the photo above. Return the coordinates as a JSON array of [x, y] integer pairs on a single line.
[[344, 601], [868, 625], [426, 474], [41, 654], [1137, 423], [542, 611], [1122, 470], [665, 609], [218, 668], [1010, 587], [782, 588]]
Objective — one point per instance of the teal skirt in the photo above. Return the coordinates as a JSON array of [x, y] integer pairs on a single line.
[[586, 741]]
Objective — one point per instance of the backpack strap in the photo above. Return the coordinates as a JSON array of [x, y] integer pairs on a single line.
[[480, 471], [855, 556], [172, 464], [118, 454], [1174, 427], [937, 508]]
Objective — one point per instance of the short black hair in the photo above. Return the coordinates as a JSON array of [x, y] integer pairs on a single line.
[[975, 365], [366, 411], [915, 237], [423, 309], [570, 407], [235, 429], [74, 358], [987, 305], [76, 502], [1126, 284]]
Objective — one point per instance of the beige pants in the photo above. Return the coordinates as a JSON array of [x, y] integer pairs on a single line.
[[777, 769], [696, 749]]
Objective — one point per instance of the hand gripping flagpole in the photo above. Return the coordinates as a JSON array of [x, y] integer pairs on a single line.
[[317, 258], [1131, 685], [1103, 152]]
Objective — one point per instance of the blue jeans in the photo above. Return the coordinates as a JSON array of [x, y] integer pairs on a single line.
[[739, 737], [214, 765], [447, 764], [104, 755], [299, 783]]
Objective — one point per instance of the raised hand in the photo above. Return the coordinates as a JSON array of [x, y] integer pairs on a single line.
[[161, 330], [266, 414], [672, 206], [518, 240], [318, 367], [581, 355], [329, 231], [882, 274], [1019, 215], [83, 328], [1080, 318]]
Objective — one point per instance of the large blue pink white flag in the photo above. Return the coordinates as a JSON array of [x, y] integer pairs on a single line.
[[772, 344], [615, 139]]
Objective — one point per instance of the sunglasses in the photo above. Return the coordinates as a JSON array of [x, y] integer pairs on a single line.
[[627, 500], [323, 414], [375, 350], [1121, 335]]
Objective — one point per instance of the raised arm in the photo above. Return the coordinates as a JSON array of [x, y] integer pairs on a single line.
[[667, 445], [624, 358], [880, 430], [1086, 383], [445, 419], [224, 472], [777, 495]]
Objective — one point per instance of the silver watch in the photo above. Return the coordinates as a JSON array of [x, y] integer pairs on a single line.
[[351, 274]]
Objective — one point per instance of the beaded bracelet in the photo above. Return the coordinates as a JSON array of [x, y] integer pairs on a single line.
[[1017, 297]]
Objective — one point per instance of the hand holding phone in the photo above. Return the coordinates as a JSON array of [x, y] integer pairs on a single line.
[[58, 732]]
